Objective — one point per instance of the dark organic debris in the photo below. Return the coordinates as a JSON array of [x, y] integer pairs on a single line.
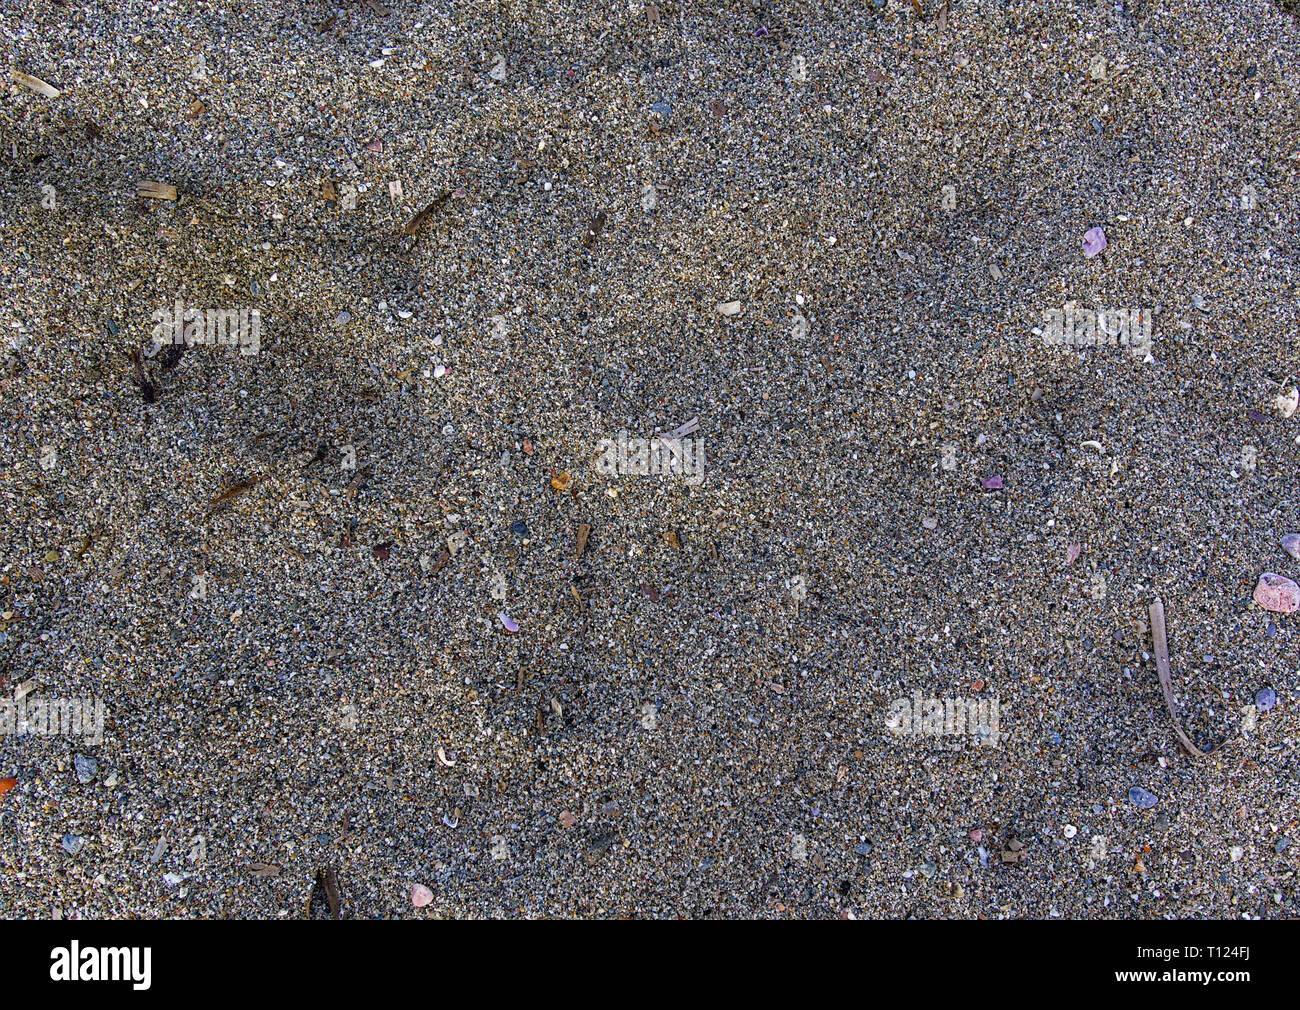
[[327, 882], [234, 491], [416, 223], [171, 357], [148, 391], [596, 226]]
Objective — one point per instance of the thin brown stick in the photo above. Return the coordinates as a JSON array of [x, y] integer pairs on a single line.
[[1166, 678]]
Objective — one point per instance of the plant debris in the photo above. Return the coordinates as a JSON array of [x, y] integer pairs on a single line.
[[234, 491], [155, 190], [1157, 612], [36, 84], [594, 228], [327, 879]]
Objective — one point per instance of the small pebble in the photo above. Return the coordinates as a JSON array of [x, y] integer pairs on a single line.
[[420, 895], [73, 843], [1094, 241], [1265, 699], [86, 767], [1277, 593], [1291, 544], [1143, 798]]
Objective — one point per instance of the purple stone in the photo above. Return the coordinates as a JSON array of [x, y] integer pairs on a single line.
[[1140, 797], [1265, 699], [1094, 241]]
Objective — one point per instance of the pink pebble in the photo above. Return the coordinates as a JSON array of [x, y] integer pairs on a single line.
[[1094, 241], [1291, 544], [1277, 593], [420, 895], [508, 622], [976, 835]]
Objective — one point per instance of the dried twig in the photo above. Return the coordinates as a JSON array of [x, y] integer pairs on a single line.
[[414, 225], [234, 491], [1166, 679]]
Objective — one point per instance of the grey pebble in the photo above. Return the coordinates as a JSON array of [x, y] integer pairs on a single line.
[[87, 768]]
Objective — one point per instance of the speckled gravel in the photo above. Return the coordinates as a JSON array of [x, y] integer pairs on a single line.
[[829, 235]]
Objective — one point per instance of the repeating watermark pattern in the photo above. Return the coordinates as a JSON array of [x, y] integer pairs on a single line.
[[82, 717], [177, 324], [922, 716], [670, 453], [1072, 326]]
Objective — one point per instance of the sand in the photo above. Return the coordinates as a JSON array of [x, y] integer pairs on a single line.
[[708, 713]]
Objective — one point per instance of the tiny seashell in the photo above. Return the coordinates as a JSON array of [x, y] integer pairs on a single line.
[[508, 622], [1277, 593], [1287, 402], [728, 308], [1072, 553], [1069, 831], [444, 760], [420, 895]]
